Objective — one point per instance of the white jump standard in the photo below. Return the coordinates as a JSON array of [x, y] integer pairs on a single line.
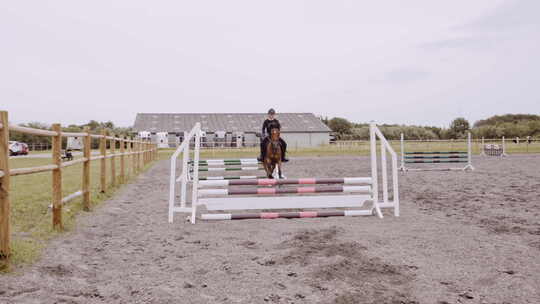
[[437, 157], [244, 194]]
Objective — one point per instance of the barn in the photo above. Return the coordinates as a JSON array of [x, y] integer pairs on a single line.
[[231, 129]]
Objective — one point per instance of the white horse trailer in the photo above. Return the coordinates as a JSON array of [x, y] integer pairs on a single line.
[[237, 139], [162, 139], [74, 143], [144, 135]]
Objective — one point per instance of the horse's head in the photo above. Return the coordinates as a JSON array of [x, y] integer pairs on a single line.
[[274, 140], [274, 134]]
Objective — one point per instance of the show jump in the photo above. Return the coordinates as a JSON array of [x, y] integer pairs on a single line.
[[361, 195]]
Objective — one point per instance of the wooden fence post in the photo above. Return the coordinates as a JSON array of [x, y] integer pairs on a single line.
[[57, 177], [122, 160], [133, 159], [143, 164], [113, 162], [137, 150], [145, 153], [135, 163], [128, 158], [5, 206], [103, 150], [86, 169], [142, 154]]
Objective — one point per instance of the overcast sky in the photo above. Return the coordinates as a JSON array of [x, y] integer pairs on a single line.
[[415, 62]]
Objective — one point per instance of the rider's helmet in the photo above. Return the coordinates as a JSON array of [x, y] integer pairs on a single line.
[[271, 112]]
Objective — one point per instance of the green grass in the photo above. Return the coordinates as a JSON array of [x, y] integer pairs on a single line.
[[31, 218]]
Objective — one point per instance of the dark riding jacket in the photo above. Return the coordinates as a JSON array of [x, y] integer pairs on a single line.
[[269, 125]]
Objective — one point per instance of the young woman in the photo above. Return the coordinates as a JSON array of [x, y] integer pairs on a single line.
[[270, 123]]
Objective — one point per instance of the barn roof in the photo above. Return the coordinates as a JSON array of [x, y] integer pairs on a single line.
[[230, 122]]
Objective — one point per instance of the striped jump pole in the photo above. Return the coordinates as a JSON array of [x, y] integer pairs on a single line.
[[216, 164], [274, 191], [436, 157], [274, 182], [243, 163], [438, 152], [226, 178], [230, 169], [435, 161], [288, 215], [226, 161]]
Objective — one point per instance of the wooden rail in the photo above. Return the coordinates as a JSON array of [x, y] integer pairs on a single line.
[[141, 154]]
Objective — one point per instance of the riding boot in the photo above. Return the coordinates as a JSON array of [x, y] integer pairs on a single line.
[[283, 152], [261, 156]]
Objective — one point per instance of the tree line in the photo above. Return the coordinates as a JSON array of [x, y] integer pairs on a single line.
[[94, 126], [509, 125]]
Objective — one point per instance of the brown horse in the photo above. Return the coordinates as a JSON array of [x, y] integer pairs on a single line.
[[272, 159]]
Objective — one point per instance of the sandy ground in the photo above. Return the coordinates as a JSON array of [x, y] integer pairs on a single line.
[[461, 238]]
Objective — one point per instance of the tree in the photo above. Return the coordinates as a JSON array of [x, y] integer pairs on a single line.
[[108, 125], [459, 127], [507, 118], [93, 125], [340, 125]]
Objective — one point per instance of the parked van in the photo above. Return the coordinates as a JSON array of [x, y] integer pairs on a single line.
[[75, 143], [15, 148]]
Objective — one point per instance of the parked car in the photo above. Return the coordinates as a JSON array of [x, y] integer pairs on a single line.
[[24, 150], [15, 148]]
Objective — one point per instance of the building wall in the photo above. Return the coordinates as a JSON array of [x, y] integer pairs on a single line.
[[293, 139], [306, 139], [250, 139]]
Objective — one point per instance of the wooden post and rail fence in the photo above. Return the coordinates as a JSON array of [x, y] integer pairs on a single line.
[[141, 153]]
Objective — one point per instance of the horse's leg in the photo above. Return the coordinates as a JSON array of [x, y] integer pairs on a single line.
[[270, 171], [279, 170], [267, 168], [267, 160]]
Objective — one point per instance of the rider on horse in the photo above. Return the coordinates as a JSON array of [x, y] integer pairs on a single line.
[[268, 125]]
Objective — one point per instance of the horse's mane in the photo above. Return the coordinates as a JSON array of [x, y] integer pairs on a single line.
[[273, 125]]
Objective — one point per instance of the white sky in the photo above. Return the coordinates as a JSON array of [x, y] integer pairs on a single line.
[[415, 62]]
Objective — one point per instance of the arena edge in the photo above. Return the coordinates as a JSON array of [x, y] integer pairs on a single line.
[[141, 153]]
